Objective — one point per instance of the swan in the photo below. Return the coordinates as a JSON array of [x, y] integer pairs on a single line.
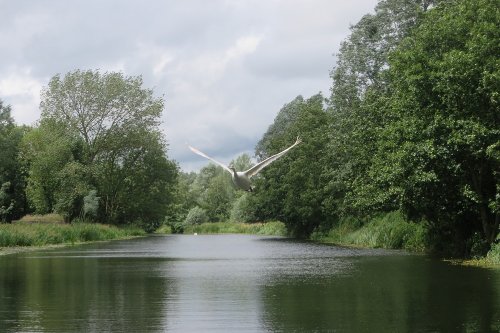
[[242, 178]]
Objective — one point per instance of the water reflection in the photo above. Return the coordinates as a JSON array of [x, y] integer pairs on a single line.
[[241, 283], [388, 294], [80, 295]]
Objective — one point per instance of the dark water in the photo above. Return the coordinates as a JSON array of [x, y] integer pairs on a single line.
[[241, 283]]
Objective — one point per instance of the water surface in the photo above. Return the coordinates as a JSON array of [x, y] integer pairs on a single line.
[[241, 283]]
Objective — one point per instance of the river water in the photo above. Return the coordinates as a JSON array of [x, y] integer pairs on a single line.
[[241, 283]]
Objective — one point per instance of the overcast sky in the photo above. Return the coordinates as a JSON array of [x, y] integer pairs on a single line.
[[224, 67]]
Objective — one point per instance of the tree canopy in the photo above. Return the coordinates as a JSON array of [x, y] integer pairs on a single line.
[[99, 137]]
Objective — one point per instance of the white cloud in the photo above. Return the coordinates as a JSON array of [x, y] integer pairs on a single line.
[[21, 90]]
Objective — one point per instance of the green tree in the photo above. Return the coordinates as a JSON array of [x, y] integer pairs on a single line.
[[244, 208], [291, 188], [184, 198], [55, 174], [196, 215], [358, 108], [104, 109], [441, 154], [363, 56], [12, 177], [105, 139], [219, 196]]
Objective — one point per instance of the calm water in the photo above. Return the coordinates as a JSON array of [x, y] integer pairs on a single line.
[[241, 283]]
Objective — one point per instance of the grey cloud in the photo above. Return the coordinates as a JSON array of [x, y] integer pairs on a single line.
[[221, 94]]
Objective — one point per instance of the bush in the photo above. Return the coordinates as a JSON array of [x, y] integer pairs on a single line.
[[477, 246], [243, 209], [493, 255], [196, 215], [148, 226]]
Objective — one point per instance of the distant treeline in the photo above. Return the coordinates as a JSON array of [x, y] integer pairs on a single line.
[[411, 125]]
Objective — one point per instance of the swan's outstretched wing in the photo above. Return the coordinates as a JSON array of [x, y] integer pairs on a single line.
[[196, 151], [256, 168]]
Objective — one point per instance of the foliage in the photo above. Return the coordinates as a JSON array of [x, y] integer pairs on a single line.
[[46, 150], [196, 215], [272, 228], [363, 56], [389, 230], [164, 229], [493, 255], [358, 108], [244, 209], [218, 196], [98, 152], [290, 189], [12, 177], [439, 150], [90, 204]]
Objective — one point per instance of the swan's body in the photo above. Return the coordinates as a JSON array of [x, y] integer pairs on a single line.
[[242, 178]]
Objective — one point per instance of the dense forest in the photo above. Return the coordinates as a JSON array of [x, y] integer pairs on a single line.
[[410, 128]]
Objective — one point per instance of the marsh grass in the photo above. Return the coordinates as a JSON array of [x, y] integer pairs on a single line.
[[389, 231], [274, 228], [164, 229], [47, 218], [41, 234]]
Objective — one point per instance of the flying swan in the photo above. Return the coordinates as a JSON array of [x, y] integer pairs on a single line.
[[242, 178]]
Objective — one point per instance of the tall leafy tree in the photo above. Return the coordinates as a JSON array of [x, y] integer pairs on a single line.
[[357, 106], [57, 179], [103, 108], [291, 189], [119, 152], [12, 178], [444, 146], [363, 56]]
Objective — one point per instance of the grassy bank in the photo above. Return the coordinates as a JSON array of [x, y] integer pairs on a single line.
[[42, 234], [269, 228], [388, 231], [392, 231]]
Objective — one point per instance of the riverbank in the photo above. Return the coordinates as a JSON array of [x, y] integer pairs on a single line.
[[272, 228], [23, 235], [392, 231], [389, 231]]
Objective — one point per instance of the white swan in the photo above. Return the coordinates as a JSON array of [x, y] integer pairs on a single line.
[[242, 178]]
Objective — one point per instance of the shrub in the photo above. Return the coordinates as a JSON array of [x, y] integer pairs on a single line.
[[493, 255], [243, 209], [196, 215]]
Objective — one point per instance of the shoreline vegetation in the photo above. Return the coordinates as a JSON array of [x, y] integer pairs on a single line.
[[272, 228], [389, 231], [47, 231]]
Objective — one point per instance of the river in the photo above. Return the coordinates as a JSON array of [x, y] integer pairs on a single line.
[[241, 283]]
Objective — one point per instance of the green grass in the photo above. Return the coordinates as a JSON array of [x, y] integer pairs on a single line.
[[388, 231], [274, 228], [41, 234]]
